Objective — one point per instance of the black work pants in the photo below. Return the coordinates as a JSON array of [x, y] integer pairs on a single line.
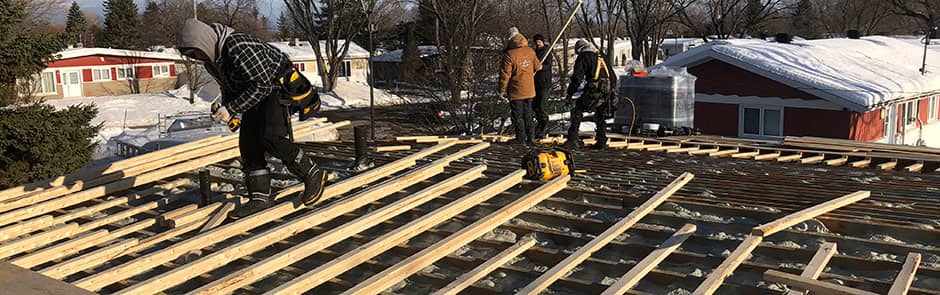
[[264, 128], [539, 103], [522, 118], [586, 103]]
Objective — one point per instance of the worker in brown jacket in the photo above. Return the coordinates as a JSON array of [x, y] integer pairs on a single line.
[[517, 84]]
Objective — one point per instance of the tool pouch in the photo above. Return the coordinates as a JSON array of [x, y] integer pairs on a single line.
[[302, 96]]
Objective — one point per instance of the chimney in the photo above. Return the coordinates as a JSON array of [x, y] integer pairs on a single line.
[[853, 34], [783, 38], [296, 42]]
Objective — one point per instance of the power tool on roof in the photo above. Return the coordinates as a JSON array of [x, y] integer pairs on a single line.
[[233, 123], [546, 165]]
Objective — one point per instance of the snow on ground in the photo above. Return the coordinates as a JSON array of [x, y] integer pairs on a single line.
[[355, 94], [137, 110]]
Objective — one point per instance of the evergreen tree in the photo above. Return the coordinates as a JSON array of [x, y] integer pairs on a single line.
[[285, 27], [121, 24], [152, 17], [411, 56], [23, 52], [76, 24]]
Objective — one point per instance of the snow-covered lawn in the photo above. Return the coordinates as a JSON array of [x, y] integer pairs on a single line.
[[137, 110]]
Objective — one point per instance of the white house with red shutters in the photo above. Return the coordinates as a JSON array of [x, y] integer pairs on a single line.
[[869, 89], [104, 71]]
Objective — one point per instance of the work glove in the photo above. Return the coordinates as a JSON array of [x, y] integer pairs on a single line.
[[221, 114]]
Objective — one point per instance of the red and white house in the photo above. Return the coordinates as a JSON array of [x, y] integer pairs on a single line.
[[105, 71], [868, 89]]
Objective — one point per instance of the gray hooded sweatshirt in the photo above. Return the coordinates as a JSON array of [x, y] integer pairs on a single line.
[[244, 66]]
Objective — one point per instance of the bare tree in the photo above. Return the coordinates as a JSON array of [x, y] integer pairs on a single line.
[[867, 16], [457, 24], [926, 12], [647, 24], [241, 15], [759, 12], [721, 18], [333, 21], [195, 76]]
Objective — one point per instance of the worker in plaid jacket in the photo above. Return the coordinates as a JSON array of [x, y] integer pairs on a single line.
[[247, 70]]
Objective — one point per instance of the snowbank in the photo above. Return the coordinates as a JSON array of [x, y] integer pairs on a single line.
[[862, 72], [137, 110]]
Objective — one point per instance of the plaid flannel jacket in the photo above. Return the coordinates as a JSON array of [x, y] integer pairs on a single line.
[[246, 69]]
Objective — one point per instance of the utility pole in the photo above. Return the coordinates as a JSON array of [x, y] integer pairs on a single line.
[[195, 14]]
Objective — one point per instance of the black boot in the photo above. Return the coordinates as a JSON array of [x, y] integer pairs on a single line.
[[258, 184], [313, 177]]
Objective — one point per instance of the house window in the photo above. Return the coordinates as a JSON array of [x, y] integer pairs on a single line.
[[761, 121], [911, 110], [43, 83], [100, 74], [124, 73], [300, 67], [934, 105], [344, 69], [161, 71]]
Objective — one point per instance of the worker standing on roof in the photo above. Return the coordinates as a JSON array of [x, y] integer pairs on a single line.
[[517, 84], [251, 75], [598, 94], [543, 85]]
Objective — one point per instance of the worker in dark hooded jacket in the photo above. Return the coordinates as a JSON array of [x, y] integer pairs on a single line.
[[543, 85], [598, 94], [517, 84], [246, 69]]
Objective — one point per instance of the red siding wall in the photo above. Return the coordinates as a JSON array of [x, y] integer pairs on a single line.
[[173, 70], [144, 72], [58, 78], [102, 60], [717, 118], [86, 73], [815, 122], [113, 74], [867, 126], [718, 77]]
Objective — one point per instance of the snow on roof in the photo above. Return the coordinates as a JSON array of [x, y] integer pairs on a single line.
[[395, 55], [80, 52], [683, 41], [304, 51], [858, 74], [571, 41]]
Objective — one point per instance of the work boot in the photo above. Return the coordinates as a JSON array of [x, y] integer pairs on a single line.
[[258, 184], [313, 177]]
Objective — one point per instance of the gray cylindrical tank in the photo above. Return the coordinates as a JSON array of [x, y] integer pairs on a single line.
[[666, 97]]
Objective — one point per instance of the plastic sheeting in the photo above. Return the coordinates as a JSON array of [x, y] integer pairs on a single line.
[[665, 97]]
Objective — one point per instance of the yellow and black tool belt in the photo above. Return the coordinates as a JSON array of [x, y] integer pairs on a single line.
[[304, 98]]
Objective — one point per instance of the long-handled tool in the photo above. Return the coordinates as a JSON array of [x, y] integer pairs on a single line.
[[502, 126]]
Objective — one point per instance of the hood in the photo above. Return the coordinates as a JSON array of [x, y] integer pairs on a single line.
[[208, 38], [518, 41], [584, 46]]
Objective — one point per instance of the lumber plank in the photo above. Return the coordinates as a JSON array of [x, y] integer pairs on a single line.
[[861, 163], [817, 264], [902, 283], [198, 214], [451, 243], [642, 268], [287, 257], [724, 153], [663, 148], [643, 147], [25, 227], [888, 165], [21, 281], [381, 244], [62, 249], [790, 158], [218, 217], [813, 159], [164, 236], [916, 167], [745, 155], [704, 152], [683, 150], [838, 161], [572, 261], [176, 213], [477, 273], [202, 240], [392, 148], [808, 213], [413, 138], [767, 157], [717, 276], [814, 286], [37, 240], [77, 264]]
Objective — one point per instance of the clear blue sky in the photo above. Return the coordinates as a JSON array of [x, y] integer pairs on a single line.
[[270, 8]]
